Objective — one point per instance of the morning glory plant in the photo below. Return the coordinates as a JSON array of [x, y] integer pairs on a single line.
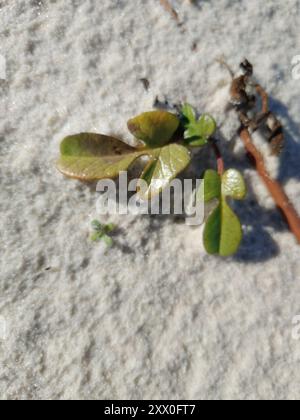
[[167, 140], [92, 157]]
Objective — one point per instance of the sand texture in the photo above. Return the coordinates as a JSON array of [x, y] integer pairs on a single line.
[[153, 317]]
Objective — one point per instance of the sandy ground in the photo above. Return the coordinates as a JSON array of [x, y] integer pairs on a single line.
[[154, 317]]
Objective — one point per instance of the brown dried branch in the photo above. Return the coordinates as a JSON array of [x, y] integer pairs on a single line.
[[276, 138], [273, 125], [277, 192]]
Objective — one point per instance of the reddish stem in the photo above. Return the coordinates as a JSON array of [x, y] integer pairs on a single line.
[[276, 190], [219, 157]]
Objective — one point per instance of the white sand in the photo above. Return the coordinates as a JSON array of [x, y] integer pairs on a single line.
[[154, 317]]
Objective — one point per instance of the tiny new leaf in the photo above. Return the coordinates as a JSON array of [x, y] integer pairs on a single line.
[[197, 132], [101, 233], [223, 230]]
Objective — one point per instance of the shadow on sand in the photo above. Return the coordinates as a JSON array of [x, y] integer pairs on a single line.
[[258, 244]]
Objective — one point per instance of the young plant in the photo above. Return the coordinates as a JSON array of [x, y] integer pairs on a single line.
[[167, 139], [91, 157], [101, 233]]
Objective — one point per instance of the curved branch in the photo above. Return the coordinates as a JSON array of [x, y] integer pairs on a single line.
[[276, 190], [276, 139]]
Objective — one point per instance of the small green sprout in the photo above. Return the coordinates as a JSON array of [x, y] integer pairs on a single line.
[[101, 232], [197, 131]]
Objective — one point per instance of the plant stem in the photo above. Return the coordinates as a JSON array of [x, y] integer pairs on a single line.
[[219, 157], [275, 189], [264, 98]]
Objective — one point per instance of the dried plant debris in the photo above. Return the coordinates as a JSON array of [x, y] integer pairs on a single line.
[[146, 84], [263, 119], [245, 96], [170, 9]]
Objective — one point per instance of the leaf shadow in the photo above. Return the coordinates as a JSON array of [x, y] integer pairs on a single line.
[[258, 244]]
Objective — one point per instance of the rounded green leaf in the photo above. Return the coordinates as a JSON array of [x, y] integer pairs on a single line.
[[154, 128], [211, 186], [197, 143], [149, 170], [90, 157], [198, 132], [169, 162], [188, 114], [207, 126], [223, 231], [233, 185], [212, 232]]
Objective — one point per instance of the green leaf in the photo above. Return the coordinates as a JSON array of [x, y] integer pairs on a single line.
[[192, 137], [233, 185], [96, 237], [110, 228], [223, 231], [154, 128], [188, 114], [207, 126], [91, 157], [197, 143], [211, 186], [97, 226], [212, 232], [148, 172], [171, 160], [108, 241], [101, 232], [196, 132]]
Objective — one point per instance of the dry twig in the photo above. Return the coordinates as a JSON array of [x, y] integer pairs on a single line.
[[277, 192], [243, 103]]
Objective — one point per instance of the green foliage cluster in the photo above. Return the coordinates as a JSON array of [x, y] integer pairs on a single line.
[[101, 232], [91, 157]]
